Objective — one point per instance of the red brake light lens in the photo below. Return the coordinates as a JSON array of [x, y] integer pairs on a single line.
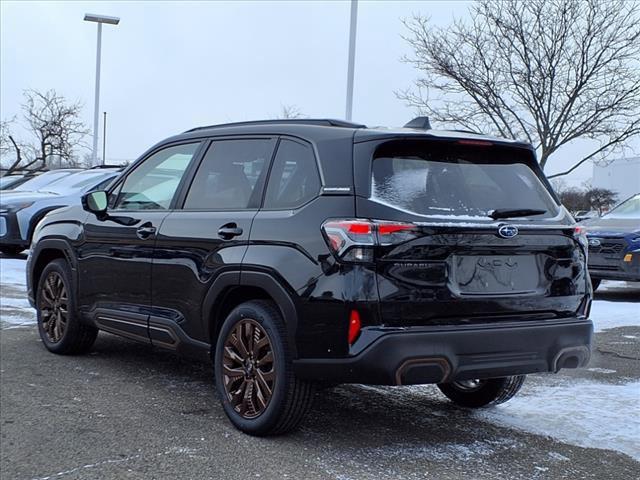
[[359, 228], [354, 326], [362, 235]]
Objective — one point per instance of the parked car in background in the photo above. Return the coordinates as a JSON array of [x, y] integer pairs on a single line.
[[614, 243], [301, 251], [40, 181], [20, 211], [582, 215], [9, 182]]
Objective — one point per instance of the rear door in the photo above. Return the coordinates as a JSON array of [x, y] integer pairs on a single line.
[[206, 236], [455, 264]]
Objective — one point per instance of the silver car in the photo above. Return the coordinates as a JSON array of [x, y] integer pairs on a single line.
[[20, 211]]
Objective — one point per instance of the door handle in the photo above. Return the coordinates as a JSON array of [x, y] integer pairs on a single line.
[[228, 231], [145, 231]]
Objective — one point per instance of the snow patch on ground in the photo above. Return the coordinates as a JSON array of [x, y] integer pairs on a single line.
[[607, 315], [447, 451], [587, 414], [15, 310]]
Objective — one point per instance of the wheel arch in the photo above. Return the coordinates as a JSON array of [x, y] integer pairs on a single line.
[[44, 253], [35, 219], [231, 289]]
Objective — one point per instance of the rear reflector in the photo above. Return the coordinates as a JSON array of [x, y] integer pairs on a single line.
[[354, 326]]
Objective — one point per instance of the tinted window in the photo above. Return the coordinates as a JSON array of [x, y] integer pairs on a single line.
[[294, 177], [448, 180], [229, 175], [152, 185]]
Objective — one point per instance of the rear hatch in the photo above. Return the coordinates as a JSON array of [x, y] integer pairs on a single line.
[[444, 259]]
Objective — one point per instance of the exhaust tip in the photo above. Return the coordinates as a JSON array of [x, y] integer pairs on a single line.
[[571, 357], [419, 371]]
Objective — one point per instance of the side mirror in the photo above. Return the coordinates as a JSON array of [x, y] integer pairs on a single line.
[[96, 202]]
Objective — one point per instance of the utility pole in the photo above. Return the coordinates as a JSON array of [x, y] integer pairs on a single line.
[[104, 139], [352, 58], [99, 19]]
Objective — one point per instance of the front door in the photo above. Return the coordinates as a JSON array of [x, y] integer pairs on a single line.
[[116, 253], [205, 236]]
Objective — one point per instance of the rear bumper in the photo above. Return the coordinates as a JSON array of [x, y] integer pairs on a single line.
[[423, 356]]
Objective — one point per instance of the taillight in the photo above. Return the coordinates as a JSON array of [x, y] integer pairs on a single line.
[[580, 234], [354, 239], [354, 326]]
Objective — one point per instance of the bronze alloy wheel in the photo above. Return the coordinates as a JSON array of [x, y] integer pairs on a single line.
[[53, 305], [248, 368]]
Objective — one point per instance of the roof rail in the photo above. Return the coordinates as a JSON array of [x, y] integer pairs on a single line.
[[104, 166], [325, 122]]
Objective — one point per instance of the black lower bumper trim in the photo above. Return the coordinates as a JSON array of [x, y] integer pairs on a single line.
[[417, 357]]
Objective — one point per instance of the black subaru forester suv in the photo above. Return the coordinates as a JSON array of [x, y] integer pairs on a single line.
[[298, 253]]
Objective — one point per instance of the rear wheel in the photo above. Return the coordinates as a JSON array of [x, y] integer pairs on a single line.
[[595, 283], [481, 393], [254, 373], [60, 329]]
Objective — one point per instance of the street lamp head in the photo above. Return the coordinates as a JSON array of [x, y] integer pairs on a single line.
[[91, 17]]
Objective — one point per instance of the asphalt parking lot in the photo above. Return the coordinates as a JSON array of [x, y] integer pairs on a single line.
[[129, 411]]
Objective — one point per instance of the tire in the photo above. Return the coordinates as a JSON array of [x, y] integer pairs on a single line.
[[595, 283], [55, 300], [491, 391], [236, 371], [11, 251]]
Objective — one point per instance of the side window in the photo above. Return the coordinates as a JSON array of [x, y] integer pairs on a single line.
[[294, 177], [152, 185], [229, 176]]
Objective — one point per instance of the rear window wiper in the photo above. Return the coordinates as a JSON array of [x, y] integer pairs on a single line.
[[515, 212]]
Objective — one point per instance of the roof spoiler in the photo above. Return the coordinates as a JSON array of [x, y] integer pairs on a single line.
[[420, 123]]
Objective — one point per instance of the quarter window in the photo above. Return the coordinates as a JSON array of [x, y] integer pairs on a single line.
[[230, 175], [294, 178], [152, 185]]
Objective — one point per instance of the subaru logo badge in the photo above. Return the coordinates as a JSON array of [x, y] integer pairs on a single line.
[[507, 231], [594, 242]]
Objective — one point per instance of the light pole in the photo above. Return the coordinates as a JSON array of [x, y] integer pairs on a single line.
[[99, 19], [352, 58]]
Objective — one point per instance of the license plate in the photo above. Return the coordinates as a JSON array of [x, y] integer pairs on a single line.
[[494, 274]]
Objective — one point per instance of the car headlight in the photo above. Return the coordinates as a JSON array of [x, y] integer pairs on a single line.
[[16, 207]]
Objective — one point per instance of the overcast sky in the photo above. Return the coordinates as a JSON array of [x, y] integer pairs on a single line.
[[170, 66]]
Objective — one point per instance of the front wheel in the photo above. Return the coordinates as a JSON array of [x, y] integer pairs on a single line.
[[60, 328], [258, 389], [482, 392]]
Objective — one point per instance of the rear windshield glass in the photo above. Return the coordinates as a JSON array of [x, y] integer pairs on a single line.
[[445, 180]]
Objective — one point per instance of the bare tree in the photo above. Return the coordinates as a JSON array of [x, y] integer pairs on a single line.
[[574, 199], [55, 130], [5, 131], [545, 71], [290, 111], [600, 199]]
